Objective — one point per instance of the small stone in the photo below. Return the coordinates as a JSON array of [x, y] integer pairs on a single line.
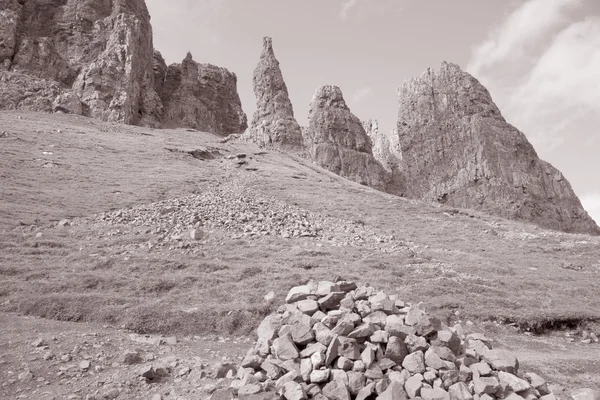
[[323, 334], [284, 348], [39, 343], [25, 376], [394, 326], [413, 385], [84, 365], [513, 382], [481, 368], [414, 363], [502, 360], [368, 356], [537, 382], [298, 293], [356, 382], [306, 368], [486, 385], [343, 327], [147, 372], [319, 375], [448, 339], [349, 348], [267, 330], [339, 375], [376, 318], [434, 394], [386, 363], [171, 340], [271, 370], [294, 391], [362, 331], [332, 351], [394, 391], [221, 370], [324, 288], [416, 343], [196, 234], [396, 350], [344, 363], [252, 360], [331, 301], [249, 390], [513, 396], [222, 394], [433, 360], [336, 390], [460, 391], [308, 307], [366, 392], [292, 376], [312, 349], [318, 359], [359, 366], [131, 358], [379, 337], [374, 372]]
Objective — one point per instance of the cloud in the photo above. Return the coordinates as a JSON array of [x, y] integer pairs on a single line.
[[361, 94], [591, 203], [362, 9], [542, 66]]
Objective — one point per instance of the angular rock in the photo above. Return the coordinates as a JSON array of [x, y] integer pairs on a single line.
[[537, 382], [319, 375], [312, 349], [460, 391], [366, 392], [298, 293], [273, 123], [502, 360], [448, 339], [323, 334], [434, 394], [396, 350], [481, 368], [414, 363], [344, 363], [284, 348], [306, 368], [308, 307], [331, 301], [432, 360], [362, 331], [332, 351], [336, 390], [267, 330], [413, 386], [294, 391], [343, 327], [416, 343], [513, 382], [318, 359], [252, 360], [457, 149], [349, 348], [337, 141], [394, 391], [487, 385], [356, 382]]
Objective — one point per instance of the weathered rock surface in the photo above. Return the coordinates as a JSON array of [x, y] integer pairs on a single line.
[[273, 123], [337, 141], [385, 145], [458, 149], [96, 58], [97, 53], [200, 96]]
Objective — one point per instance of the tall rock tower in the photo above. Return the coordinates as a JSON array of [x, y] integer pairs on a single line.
[[336, 140], [458, 149], [273, 124]]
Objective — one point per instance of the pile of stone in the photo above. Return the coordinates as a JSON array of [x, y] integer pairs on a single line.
[[339, 341], [237, 211]]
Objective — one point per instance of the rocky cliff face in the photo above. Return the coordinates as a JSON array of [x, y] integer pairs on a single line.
[[95, 58], [337, 141], [201, 96], [96, 52], [386, 145], [273, 123], [458, 149]]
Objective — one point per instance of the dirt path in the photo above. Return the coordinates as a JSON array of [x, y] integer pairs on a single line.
[[45, 359]]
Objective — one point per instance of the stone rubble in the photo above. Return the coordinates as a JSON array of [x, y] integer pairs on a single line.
[[337, 341]]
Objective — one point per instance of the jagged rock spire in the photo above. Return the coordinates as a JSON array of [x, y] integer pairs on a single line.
[[273, 123]]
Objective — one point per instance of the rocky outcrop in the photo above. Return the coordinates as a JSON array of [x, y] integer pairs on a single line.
[[336, 140], [458, 149], [96, 52], [386, 146], [95, 58], [201, 96], [273, 123]]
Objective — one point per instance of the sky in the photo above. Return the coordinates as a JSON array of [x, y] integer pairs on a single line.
[[540, 59]]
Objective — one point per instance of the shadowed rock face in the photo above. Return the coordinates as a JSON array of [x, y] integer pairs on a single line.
[[458, 149], [95, 58], [386, 146], [273, 123], [336, 140], [201, 96]]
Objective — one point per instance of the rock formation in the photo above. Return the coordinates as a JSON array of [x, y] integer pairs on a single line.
[[458, 149], [386, 146], [92, 55], [201, 96], [273, 123], [337, 141], [95, 58]]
